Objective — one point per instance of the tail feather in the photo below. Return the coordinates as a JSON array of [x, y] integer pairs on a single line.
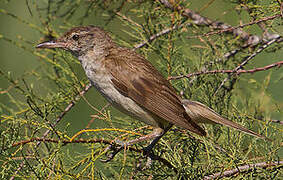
[[200, 113]]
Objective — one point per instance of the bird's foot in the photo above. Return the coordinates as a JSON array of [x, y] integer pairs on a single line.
[[149, 156], [115, 148], [147, 151], [118, 145]]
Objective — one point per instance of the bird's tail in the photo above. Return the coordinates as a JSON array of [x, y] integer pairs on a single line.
[[200, 113]]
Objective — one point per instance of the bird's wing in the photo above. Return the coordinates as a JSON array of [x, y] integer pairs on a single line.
[[136, 78]]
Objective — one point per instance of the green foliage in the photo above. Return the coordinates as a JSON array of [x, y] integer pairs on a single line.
[[36, 91]]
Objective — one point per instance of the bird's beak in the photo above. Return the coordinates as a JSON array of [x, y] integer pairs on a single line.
[[52, 44]]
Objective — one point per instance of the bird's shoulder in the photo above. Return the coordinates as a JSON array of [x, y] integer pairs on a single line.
[[131, 65], [127, 58]]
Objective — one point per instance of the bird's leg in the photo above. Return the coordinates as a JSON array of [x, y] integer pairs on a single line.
[[155, 140], [155, 135]]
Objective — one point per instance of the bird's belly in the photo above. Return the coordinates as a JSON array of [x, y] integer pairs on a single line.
[[125, 104], [104, 85]]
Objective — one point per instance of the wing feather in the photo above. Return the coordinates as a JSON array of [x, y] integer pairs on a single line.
[[141, 82]]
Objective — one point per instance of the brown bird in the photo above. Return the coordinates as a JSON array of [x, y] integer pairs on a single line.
[[133, 85]]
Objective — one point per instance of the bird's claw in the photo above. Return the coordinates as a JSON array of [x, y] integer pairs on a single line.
[[119, 145], [115, 150]]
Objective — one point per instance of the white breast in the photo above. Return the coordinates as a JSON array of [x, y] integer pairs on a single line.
[[104, 85]]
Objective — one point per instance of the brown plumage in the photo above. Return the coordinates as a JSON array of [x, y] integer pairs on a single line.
[[136, 78]]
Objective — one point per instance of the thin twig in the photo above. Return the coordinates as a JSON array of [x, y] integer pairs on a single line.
[[97, 116], [21, 143], [277, 121], [240, 169], [231, 29], [153, 37], [59, 118], [246, 60], [67, 109], [141, 151], [277, 64], [128, 19]]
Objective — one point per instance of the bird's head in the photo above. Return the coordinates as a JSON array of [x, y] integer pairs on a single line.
[[80, 40]]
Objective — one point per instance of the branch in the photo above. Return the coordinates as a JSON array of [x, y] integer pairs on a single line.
[[231, 29], [67, 109], [60, 141], [240, 169], [204, 21], [248, 58], [163, 32], [277, 64], [141, 151], [128, 19], [277, 121]]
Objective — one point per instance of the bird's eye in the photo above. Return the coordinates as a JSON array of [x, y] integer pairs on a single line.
[[75, 37]]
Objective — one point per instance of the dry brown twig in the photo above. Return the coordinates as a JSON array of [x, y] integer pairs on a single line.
[[21, 143], [243, 168], [155, 36], [199, 20], [247, 59], [141, 151], [67, 109], [268, 36], [277, 121], [59, 118], [277, 64]]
